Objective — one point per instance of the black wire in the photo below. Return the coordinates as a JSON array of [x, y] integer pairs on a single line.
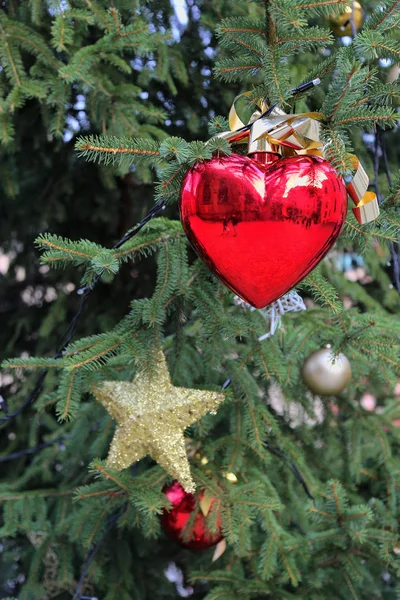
[[154, 211], [70, 331], [34, 450], [297, 525], [394, 252], [92, 554], [298, 90], [280, 454], [376, 162], [380, 144], [394, 247], [31, 398], [385, 159]]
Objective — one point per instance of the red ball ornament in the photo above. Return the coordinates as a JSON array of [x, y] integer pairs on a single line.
[[261, 228], [174, 520]]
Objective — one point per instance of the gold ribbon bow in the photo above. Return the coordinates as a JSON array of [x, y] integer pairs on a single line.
[[298, 134]]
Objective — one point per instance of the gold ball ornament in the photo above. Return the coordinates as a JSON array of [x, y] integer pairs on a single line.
[[341, 24], [326, 374]]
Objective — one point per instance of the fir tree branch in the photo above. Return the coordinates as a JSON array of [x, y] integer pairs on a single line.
[[385, 14], [11, 62], [99, 468], [241, 30], [246, 45], [69, 333], [150, 242], [343, 93], [98, 13], [94, 359], [109, 149], [324, 290], [350, 586], [35, 494], [94, 551], [322, 3], [366, 119]]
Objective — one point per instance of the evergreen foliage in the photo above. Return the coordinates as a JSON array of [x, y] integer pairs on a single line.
[[315, 511]]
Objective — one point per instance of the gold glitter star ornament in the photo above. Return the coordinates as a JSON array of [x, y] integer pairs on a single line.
[[151, 416]]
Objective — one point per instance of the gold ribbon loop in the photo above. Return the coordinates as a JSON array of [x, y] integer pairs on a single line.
[[235, 121], [359, 184], [367, 207]]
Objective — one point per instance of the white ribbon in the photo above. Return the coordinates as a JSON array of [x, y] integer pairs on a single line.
[[290, 302]]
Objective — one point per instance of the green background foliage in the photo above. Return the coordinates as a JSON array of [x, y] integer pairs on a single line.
[[315, 511]]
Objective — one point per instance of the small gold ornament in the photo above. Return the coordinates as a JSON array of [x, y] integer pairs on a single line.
[[341, 24], [203, 460], [151, 416], [326, 374]]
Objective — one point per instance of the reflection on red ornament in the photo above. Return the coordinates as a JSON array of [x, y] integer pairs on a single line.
[[174, 520], [259, 227]]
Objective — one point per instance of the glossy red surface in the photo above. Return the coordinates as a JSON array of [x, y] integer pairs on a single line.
[[174, 521], [262, 228]]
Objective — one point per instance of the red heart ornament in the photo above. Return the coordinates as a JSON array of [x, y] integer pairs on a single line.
[[262, 228]]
